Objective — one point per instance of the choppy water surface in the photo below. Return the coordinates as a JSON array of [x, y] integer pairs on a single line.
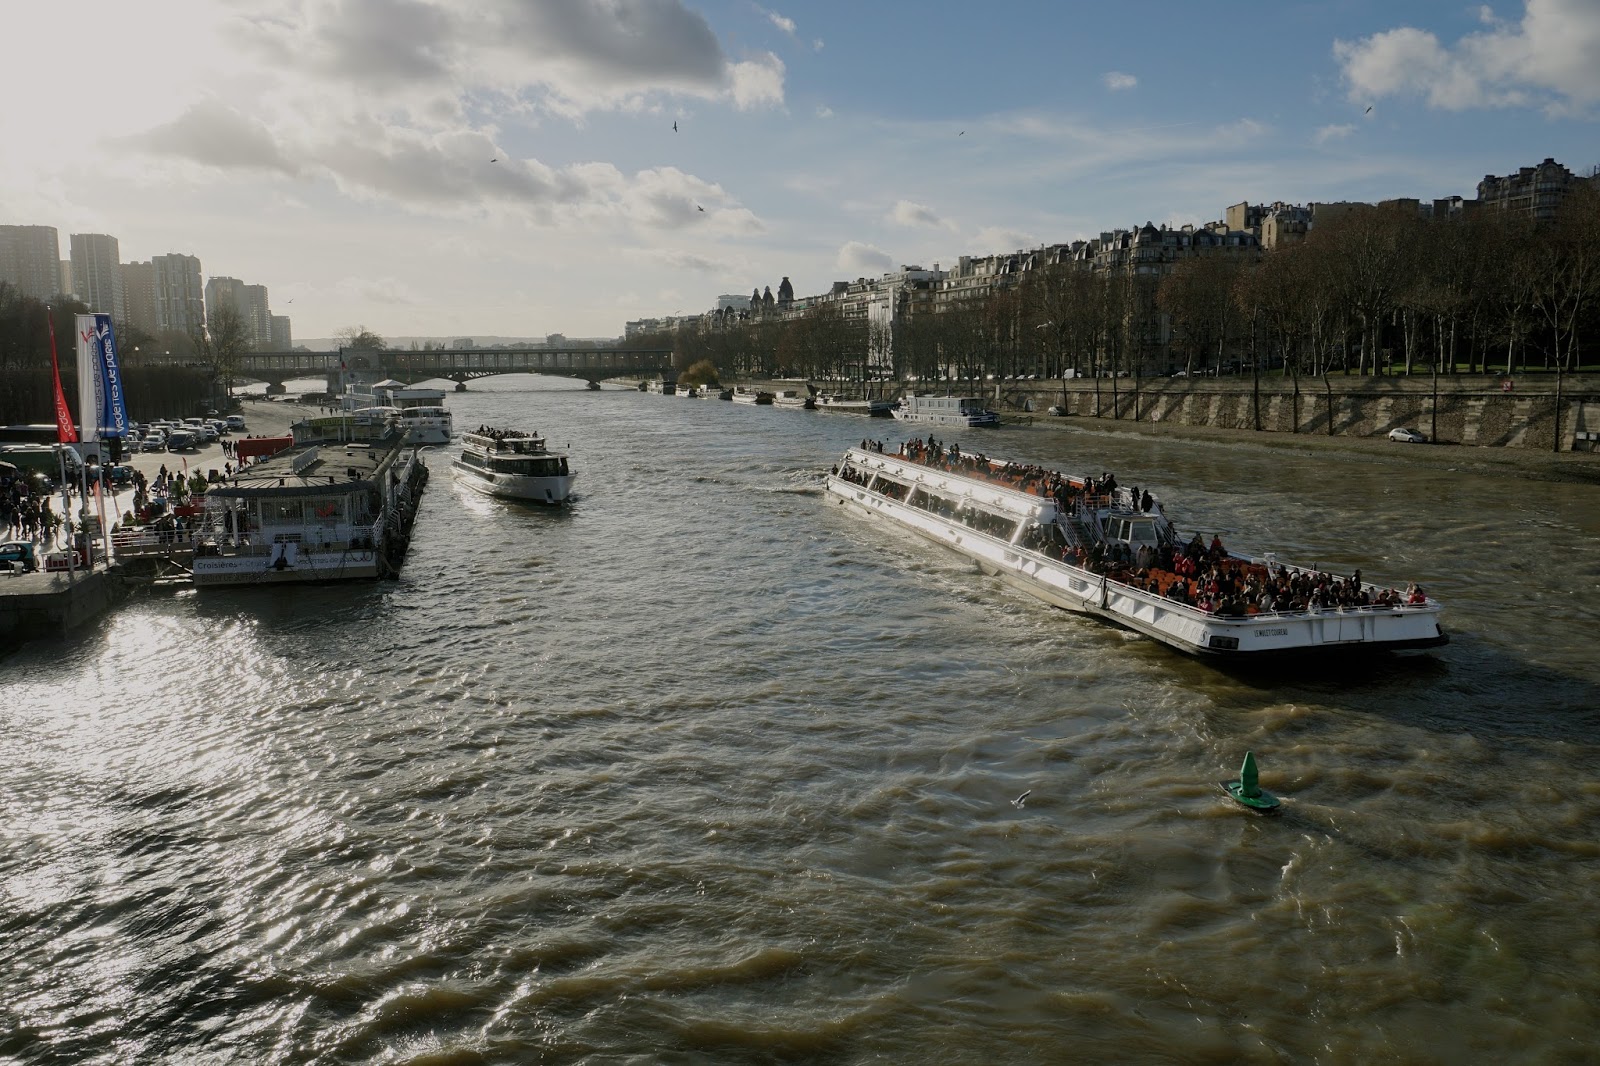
[[707, 770]]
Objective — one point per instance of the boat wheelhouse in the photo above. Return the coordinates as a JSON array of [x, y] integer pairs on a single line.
[[513, 464], [1092, 548], [335, 505], [964, 411]]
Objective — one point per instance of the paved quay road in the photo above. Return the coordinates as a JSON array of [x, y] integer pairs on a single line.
[[703, 769]]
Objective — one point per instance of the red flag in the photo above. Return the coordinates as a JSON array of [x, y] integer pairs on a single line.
[[66, 432]]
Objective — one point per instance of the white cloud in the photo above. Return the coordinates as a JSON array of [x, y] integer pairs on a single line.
[[758, 82], [1333, 133], [550, 55], [1117, 81], [906, 213], [214, 134], [784, 24], [1550, 59], [994, 239], [863, 260], [824, 111]]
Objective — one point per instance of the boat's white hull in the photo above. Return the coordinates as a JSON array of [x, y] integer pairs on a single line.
[[438, 434], [276, 568], [1073, 588], [857, 407], [515, 486]]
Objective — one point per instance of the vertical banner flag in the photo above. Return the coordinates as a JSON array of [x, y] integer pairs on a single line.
[[66, 432], [99, 380]]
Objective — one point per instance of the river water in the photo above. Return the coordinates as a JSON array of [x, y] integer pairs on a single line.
[[705, 769]]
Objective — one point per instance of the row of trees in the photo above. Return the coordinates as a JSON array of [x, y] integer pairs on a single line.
[[1374, 290], [206, 359]]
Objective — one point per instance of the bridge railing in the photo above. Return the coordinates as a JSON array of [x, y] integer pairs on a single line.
[[447, 362]]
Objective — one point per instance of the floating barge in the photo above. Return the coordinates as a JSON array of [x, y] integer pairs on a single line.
[[335, 505], [1095, 550]]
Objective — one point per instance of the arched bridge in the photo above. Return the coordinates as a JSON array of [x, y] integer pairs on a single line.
[[459, 364]]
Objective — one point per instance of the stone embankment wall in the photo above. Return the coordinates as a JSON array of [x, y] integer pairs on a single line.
[[1477, 410]]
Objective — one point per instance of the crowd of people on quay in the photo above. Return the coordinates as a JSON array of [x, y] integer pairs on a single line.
[[27, 513]]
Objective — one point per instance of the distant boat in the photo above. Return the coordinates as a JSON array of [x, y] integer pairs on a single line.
[[742, 394], [854, 407], [964, 411], [793, 398]]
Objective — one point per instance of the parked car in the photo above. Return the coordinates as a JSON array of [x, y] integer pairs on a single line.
[[235, 422], [18, 555], [1407, 436], [181, 438], [205, 433], [154, 441]]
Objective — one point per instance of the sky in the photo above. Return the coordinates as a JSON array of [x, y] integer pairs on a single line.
[[526, 167]]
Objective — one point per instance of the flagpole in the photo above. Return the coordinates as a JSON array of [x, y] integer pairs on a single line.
[[66, 433]]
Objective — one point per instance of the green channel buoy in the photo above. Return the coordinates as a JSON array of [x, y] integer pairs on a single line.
[[1247, 790]]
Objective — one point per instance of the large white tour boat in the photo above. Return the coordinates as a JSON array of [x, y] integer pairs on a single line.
[[336, 504], [964, 411], [1091, 547], [511, 463]]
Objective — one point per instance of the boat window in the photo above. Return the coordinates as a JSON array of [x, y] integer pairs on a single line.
[[282, 512]]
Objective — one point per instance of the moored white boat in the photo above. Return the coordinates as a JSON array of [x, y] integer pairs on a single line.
[[743, 394], [829, 402], [1078, 546], [963, 411], [513, 464], [793, 398], [335, 505], [421, 411]]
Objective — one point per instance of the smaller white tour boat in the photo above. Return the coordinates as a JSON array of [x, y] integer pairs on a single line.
[[742, 394], [514, 464], [793, 398], [966, 412]]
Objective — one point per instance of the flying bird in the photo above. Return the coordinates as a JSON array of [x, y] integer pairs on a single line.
[[1369, 109], [496, 159], [963, 133], [674, 125], [1017, 803], [697, 207]]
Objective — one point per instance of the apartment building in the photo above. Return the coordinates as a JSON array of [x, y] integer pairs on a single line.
[[97, 273], [30, 258]]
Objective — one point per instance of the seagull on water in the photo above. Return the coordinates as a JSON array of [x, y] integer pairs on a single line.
[[1018, 802]]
